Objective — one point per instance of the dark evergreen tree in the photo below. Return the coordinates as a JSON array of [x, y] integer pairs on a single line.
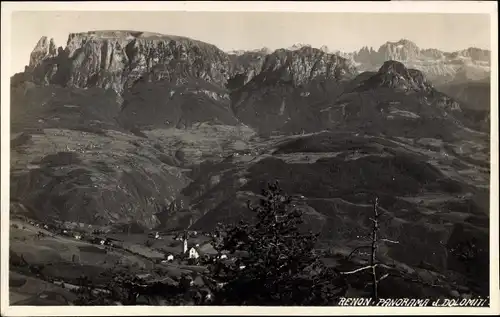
[[278, 264]]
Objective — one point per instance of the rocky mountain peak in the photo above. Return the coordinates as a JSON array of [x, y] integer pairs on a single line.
[[401, 50], [476, 54], [306, 63], [44, 49], [394, 74], [394, 67]]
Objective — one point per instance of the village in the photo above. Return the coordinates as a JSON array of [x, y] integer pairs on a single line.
[[173, 258], [189, 246]]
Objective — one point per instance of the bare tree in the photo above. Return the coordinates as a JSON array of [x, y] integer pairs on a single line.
[[373, 246]]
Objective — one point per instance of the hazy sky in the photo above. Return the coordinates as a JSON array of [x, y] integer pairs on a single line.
[[249, 30]]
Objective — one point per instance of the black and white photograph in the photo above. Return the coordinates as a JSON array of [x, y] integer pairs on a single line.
[[174, 156]]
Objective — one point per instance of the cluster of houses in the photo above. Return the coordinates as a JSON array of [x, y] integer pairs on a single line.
[[57, 229], [196, 252], [193, 251]]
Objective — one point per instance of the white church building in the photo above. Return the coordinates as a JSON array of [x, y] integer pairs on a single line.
[[196, 251]]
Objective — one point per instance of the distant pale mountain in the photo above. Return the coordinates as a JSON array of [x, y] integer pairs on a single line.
[[438, 66]]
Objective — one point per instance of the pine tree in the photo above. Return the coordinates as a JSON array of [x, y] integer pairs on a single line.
[[280, 265]]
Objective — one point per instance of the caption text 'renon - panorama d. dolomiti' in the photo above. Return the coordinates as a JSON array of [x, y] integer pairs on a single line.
[[413, 302]]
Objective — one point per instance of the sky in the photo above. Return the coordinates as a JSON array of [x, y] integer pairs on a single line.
[[250, 30]]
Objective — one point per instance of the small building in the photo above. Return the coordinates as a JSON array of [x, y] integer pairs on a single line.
[[197, 251], [193, 253], [170, 257]]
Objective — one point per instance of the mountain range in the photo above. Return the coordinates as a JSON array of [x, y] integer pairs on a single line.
[[168, 132]]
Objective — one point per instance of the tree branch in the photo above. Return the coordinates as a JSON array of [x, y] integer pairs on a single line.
[[383, 277], [390, 241], [360, 269]]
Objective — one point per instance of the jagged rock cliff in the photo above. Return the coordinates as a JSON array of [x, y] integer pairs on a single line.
[[119, 59], [44, 49], [304, 64]]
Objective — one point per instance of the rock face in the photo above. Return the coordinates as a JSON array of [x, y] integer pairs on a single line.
[[245, 66], [304, 64], [117, 59], [44, 49], [279, 98], [438, 66], [402, 50]]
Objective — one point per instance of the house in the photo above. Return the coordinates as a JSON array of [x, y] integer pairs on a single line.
[[206, 250], [193, 253], [170, 257]]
